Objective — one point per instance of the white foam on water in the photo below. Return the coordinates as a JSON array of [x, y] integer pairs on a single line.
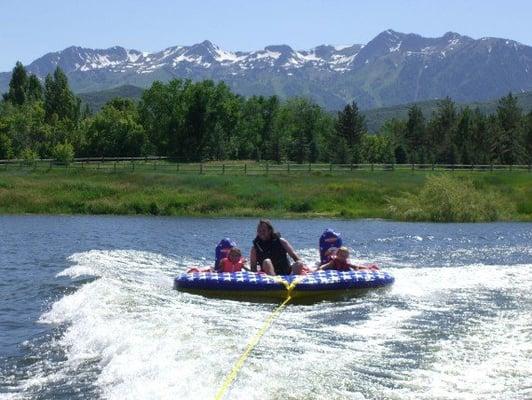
[[491, 360], [143, 340]]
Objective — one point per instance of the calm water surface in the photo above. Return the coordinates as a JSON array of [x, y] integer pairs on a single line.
[[87, 311]]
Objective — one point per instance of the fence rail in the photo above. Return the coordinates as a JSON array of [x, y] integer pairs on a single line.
[[167, 165]]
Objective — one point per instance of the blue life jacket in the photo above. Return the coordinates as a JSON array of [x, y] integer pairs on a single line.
[[221, 251], [328, 239]]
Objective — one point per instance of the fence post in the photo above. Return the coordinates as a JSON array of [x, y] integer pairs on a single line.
[[223, 169], [393, 166], [413, 166], [201, 168], [177, 167], [288, 166], [433, 166], [491, 167], [309, 167], [511, 167], [371, 167], [330, 167], [267, 168], [245, 169], [114, 167], [351, 165]]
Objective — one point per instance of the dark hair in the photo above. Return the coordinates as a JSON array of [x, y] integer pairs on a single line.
[[268, 223]]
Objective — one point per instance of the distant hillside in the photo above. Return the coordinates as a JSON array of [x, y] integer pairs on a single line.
[[376, 117], [393, 68], [96, 100]]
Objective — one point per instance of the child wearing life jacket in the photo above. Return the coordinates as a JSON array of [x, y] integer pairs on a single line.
[[329, 242], [340, 262], [234, 262]]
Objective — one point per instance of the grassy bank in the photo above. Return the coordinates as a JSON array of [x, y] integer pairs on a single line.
[[362, 194]]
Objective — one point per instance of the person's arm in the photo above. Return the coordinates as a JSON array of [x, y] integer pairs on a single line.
[[356, 267], [244, 266], [289, 249], [324, 266], [253, 259]]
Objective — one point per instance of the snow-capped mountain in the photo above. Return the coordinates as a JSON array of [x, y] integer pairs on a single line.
[[392, 68], [203, 55]]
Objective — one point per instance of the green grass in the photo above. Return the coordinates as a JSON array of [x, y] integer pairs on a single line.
[[360, 194]]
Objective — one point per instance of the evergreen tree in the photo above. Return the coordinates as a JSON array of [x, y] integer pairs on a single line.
[[87, 112], [341, 153], [35, 89], [400, 154], [60, 103], [443, 127], [269, 110], [528, 138], [480, 141], [415, 135], [18, 84], [509, 142], [464, 132], [351, 125]]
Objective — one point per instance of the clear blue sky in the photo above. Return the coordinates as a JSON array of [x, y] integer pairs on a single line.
[[29, 29]]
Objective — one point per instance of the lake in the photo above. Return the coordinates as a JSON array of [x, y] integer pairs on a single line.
[[87, 311]]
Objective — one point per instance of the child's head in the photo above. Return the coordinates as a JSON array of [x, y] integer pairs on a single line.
[[330, 252], [342, 254], [234, 254]]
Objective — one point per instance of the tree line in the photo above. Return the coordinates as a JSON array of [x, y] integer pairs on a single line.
[[200, 121]]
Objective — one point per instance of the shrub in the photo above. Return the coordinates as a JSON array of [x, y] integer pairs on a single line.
[[447, 199], [300, 206], [29, 156], [6, 147], [63, 152]]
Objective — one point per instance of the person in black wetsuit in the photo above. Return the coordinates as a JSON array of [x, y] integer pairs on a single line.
[[270, 252]]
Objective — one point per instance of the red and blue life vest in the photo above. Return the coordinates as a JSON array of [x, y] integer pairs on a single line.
[[222, 249], [226, 265]]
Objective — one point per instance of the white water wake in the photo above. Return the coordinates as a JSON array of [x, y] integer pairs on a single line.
[[444, 333]]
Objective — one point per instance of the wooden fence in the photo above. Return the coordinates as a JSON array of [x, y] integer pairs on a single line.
[[166, 165]]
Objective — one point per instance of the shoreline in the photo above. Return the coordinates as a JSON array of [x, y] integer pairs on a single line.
[[254, 218], [351, 197]]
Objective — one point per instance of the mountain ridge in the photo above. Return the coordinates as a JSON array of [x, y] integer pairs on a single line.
[[392, 68]]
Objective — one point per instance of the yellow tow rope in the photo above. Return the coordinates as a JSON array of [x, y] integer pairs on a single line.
[[229, 379]]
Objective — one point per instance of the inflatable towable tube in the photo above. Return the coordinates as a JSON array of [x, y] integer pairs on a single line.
[[251, 285]]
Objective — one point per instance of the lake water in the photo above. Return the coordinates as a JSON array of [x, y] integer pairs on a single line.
[[87, 311]]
